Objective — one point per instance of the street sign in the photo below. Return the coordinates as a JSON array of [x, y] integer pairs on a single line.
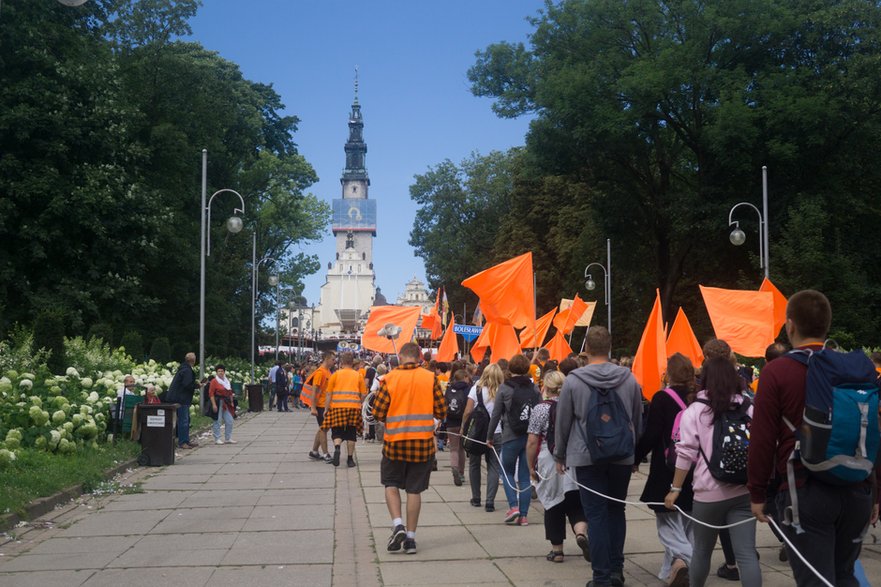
[[469, 333]]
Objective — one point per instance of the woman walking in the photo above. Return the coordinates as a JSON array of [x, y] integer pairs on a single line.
[[558, 493], [674, 529], [222, 404], [516, 398], [716, 502], [487, 386]]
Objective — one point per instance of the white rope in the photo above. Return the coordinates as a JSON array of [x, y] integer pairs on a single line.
[[640, 503]]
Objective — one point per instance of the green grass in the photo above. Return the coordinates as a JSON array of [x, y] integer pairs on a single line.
[[36, 474]]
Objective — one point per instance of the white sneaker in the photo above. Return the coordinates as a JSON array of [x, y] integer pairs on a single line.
[[231, 441], [218, 441]]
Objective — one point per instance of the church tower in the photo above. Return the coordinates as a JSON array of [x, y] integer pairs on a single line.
[[350, 287]]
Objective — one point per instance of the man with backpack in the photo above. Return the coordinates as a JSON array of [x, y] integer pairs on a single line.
[[456, 397], [808, 395], [599, 416]]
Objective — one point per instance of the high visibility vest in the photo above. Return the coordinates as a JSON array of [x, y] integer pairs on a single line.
[[314, 393], [411, 410], [307, 396], [345, 388]]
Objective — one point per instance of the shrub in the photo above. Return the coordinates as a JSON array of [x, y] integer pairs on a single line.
[[101, 330], [133, 344], [49, 335], [17, 354], [180, 350], [160, 350]]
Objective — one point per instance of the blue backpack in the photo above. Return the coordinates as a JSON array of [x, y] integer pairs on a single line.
[[839, 437], [608, 426]]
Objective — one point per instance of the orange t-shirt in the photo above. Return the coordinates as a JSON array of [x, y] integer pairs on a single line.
[[319, 381], [534, 373]]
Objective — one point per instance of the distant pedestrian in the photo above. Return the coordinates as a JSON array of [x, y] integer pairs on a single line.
[[273, 372], [296, 386], [487, 386], [346, 390], [181, 391], [317, 394], [408, 401], [456, 397], [222, 403]]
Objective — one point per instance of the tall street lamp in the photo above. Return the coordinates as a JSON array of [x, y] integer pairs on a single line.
[[273, 281], [234, 225], [591, 285], [738, 237], [255, 266]]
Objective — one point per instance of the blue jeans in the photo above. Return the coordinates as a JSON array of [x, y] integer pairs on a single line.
[[606, 526], [514, 456], [226, 417], [183, 424]]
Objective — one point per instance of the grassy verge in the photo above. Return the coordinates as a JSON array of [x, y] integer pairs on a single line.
[[36, 474]]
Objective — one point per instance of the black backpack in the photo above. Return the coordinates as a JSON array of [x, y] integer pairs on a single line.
[[609, 430], [477, 428], [208, 411], [456, 397], [552, 421], [523, 400], [731, 430]]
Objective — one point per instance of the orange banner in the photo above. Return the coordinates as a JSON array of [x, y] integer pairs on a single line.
[[779, 305], [743, 319], [402, 316], [558, 347], [542, 325], [650, 361], [506, 292], [501, 338], [566, 320], [682, 340], [449, 346], [586, 317]]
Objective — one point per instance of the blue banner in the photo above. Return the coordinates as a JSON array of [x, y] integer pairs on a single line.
[[469, 333]]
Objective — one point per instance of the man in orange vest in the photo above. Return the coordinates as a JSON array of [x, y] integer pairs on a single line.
[[408, 401], [315, 394], [346, 389]]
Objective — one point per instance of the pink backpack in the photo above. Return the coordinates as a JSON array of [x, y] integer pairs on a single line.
[[670, 449]]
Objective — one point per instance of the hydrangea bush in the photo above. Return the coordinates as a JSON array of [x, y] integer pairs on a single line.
[[64, 413]]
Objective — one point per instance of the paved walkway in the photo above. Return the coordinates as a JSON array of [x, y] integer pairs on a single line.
[[260, 513]]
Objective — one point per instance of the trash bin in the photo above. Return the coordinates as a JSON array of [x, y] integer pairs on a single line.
[[156, 427], [255, 397], [237, 388]]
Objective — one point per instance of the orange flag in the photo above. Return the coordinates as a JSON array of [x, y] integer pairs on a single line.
[[449, 346], [506, 292], [586, 317], [402, 316], [650, 361], [432, 322], [501, 338], [743, 319], [566, 320], [682, 340], [542, 325], [779, 304], [558, 347]]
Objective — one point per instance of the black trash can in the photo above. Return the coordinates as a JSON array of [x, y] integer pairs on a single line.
[[255, 397], [156, 425]]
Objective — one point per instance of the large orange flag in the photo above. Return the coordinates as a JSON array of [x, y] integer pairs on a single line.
[[501, 338], [586, 317], [449, 346], [542, 325], [506, 292], [682, 340], [402, 316], [432, 322], [566, 320], [743, 319], [650, 361], [558, 347], [779, 304]]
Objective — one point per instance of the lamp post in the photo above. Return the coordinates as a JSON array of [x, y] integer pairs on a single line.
[[273, 281], [234, 225], [738, 237], [255, 266], [590, 284]]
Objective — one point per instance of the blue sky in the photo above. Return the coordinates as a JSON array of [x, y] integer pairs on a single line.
[[412, 57]]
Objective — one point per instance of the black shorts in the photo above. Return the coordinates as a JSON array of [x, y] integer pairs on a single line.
[[319, 416], [411, 477], [345, 433]]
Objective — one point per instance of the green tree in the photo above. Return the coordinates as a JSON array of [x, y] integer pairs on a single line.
[[160, 350], [133, 343], [664, 113], [49, 335]]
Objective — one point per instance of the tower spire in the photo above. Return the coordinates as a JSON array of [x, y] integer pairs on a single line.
[[356, 84]]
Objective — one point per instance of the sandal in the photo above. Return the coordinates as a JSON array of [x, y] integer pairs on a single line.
[[555, 556]]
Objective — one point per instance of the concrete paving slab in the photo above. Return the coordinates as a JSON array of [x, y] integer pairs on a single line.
[[462, 572], [434, 543], [537, 571], [148, 501], [212, 541], [57, 562], [272, 497], [247, 468], [191, 577], [216, 498], [431, 514], [189, 525], [294, 518], [281, 548], [273, 576], [502, 540], [45, 579], [142, 557], [116, 523], [85, 545], [193, 469]]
